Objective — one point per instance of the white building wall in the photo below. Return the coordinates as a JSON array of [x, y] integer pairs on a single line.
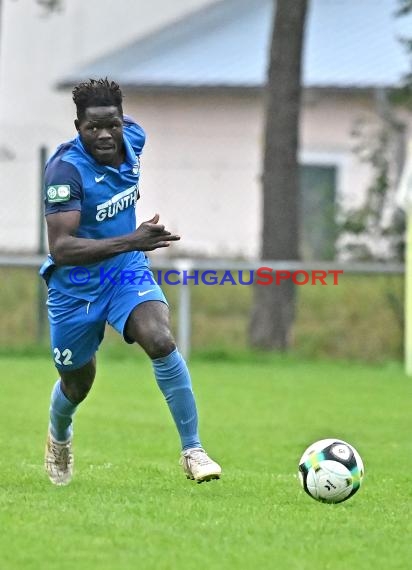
[[36, 50], [327, 133], [202, 163], [203, 159], [200, 169]]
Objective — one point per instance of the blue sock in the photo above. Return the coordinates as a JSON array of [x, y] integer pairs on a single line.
[[173, 379], [61, 412]]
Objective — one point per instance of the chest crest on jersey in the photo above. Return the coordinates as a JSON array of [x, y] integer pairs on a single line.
[[136, 166]]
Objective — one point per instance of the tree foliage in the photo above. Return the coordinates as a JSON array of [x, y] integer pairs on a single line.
[[376, 230], [51, 5], [404, 7]]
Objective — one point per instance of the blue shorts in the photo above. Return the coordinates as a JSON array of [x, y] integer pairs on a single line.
[[77, 326]]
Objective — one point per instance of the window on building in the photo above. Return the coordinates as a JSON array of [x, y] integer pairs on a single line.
[[317, 212]]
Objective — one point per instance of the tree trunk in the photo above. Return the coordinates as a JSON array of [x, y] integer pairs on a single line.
[[273, 310]]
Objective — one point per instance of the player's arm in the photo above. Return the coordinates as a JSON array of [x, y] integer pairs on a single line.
[[67, 249]]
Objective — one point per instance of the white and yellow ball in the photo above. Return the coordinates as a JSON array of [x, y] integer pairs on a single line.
[[331, 470]]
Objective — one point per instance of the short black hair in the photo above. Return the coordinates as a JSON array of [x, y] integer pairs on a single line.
[[97, 93]]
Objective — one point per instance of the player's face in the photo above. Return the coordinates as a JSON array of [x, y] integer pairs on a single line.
[[101, 131]]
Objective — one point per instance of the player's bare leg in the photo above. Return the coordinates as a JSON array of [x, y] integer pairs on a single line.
[[71, 389], [148, 325]]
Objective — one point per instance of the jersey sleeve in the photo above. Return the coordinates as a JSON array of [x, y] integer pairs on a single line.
[[134, 133], [63, 189]]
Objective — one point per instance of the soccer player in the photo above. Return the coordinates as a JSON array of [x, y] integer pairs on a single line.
[[97, 273]]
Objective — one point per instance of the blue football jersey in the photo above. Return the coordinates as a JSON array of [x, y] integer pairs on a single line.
[[106, 199]]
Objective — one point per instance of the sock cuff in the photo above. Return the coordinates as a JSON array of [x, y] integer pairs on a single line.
[[60, 399], [170, 359], [172, 369]]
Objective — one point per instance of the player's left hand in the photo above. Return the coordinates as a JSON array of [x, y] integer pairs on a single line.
[[151, 235]]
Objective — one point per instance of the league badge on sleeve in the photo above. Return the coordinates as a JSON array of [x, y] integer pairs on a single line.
[[58, 193]]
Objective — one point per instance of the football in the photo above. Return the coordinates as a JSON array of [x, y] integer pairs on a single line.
[[331, 470]]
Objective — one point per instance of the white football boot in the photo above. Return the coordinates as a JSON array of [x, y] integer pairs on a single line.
[[198, 466], [58, 460]]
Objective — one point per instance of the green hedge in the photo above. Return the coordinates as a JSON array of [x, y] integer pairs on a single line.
[[360, 318]]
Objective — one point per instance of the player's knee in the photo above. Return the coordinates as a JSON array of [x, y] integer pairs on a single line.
[[78, 390], [160, 344], [76, 385]]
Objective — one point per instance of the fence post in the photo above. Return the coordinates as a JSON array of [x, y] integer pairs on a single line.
[[408, 296], [41, 250], [184, 310]]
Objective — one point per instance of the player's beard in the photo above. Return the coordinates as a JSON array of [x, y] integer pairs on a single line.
[[106, 155]]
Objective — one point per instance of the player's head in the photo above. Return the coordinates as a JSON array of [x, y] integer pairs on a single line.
[[97, 93], [100, 119]]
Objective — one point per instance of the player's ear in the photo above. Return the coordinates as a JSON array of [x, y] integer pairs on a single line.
[[77, 124]]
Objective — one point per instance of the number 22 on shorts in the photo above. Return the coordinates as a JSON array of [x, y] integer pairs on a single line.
[[66, 354]]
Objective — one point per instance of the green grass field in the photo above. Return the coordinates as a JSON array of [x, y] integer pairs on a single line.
[[130, 507]]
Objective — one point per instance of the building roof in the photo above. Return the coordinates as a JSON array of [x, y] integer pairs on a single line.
[[348, 44]]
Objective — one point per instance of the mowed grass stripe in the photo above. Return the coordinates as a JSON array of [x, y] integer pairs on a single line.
[[129, 505]]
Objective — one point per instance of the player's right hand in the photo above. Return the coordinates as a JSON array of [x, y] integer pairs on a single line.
[[151, 235]]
